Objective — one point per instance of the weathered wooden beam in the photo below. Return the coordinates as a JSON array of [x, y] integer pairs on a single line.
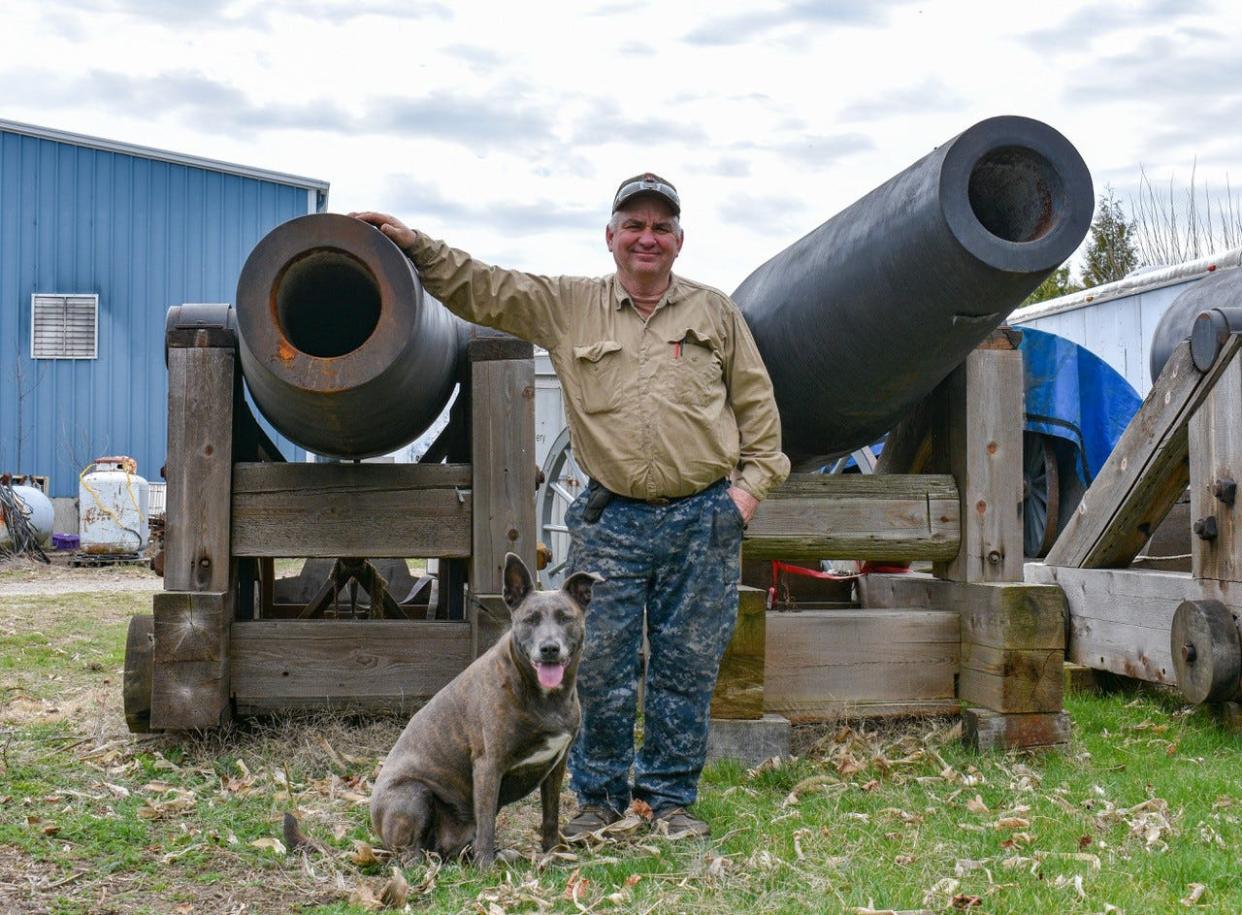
[[190, 678], [977, 437], [1014, 615], [739, 687], [366, 510], [828, 664], [201, 390], [986, 731], [856, 516], [1146, 472], [1120, 620], [502, 439], [373, 664], [1011, 679], [1215, 445]]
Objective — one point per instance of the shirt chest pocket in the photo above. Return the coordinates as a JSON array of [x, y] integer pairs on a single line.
[[697, 372], [598, 368]]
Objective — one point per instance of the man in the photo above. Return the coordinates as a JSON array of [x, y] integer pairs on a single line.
[[671, 413]]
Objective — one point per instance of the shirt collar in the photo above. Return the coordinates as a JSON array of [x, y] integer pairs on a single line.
[[673, 295]]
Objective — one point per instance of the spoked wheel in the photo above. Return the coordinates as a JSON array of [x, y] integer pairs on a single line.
[[563, 481], [1041, 494]]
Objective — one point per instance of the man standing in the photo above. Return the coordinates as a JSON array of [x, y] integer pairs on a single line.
[[671, 413]]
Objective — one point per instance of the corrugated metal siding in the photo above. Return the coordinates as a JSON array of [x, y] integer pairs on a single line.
[[141, 234]]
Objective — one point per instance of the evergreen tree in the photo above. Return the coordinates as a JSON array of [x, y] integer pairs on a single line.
[[1111, 253], [1055, 285]]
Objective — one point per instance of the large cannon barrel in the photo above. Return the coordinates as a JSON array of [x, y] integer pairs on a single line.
[[342, 350], [865, 315]]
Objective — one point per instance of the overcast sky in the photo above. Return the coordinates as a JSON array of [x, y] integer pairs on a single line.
[[505, 127]]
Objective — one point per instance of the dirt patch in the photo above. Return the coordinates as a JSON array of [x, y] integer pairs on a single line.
[[24, 577]]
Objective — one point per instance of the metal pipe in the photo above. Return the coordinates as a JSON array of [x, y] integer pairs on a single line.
[[1219, 291], [864, 316], [341, 349]]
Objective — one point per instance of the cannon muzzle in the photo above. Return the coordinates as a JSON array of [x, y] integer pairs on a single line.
[[342, 350], [864, 316]]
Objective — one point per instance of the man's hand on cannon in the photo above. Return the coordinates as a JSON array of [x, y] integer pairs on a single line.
[[401, 234]]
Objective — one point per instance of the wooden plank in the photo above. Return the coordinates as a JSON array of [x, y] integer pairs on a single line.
[[988, 731], [362, 663], [1120, 620], [739, 686], [856, 516], [365, 510], [977, 436], [199, 469], [1011, 679], [1001, 614], [1215, 445], [190, 679], [1146, 472], [826, 664], [489, 620], [502, 440]]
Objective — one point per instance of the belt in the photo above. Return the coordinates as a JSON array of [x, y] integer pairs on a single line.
[[662, 500]]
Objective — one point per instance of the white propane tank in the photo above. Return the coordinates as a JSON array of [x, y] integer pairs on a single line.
[[38, 509], [112, 507]]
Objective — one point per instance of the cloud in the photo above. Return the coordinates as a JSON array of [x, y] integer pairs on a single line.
[[1092, 23], [421, 198], [178, 13], [765, 214], [483, 58], [744, 27], [728, 167], [813, 150], [604, 122], [483, 123], [932, 96]]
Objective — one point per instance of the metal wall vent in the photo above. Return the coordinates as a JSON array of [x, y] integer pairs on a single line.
[[64, 326]]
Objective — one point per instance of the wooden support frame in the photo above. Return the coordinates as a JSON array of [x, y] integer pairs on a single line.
[[190, 679], [977, 437], [1215, 445], [889, 516], [368, 510], [502, 436], [739, 686], [1146, 472]]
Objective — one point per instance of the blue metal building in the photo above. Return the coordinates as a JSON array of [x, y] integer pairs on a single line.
[[97, 240]]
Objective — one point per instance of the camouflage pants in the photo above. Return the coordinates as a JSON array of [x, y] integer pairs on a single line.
[[680, 563]]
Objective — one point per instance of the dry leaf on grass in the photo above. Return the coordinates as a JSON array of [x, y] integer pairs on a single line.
[[976, 805], [363, 896], [269, 844], [963, 901], [363, 855], [1196, 891], [396, 891]]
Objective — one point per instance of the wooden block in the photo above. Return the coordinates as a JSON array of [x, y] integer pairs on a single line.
[[749, 742], [828, 664], [366, 510], [1215, 444], [503, 462], [739, 686], [374, 664], [489, 619], [1000, 614], [190, 671], [987, 731], [1120, 620], [1011, 679], [1146, 472], [856, 516], [1080, 679], [201, 391], [977, 436], [1229, 715]]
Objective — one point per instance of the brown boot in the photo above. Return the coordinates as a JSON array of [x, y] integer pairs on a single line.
[[679, 823], [591, 818]]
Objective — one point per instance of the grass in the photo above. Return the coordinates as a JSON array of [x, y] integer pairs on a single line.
[[1145, 805]]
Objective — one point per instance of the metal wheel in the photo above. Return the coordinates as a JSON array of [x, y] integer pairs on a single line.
[[562, 481], [1041, 494], [139, 674]]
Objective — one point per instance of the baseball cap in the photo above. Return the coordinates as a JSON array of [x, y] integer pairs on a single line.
[[647, 183]]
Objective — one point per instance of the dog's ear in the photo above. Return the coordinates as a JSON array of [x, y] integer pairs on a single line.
[[517, 581], [579, 587]]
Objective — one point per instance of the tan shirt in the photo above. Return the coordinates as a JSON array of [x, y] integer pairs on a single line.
[[661, 407]]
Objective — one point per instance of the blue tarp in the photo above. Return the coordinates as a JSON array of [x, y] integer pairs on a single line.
[[1073, 394]]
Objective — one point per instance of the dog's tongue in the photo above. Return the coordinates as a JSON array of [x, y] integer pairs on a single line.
[[550, 675]]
